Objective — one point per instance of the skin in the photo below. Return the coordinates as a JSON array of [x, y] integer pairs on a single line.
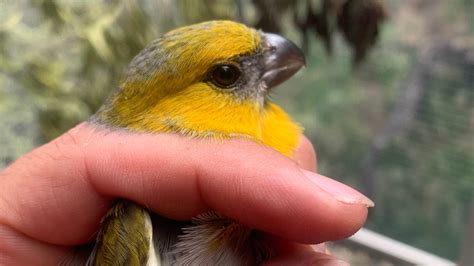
[[52, 199]]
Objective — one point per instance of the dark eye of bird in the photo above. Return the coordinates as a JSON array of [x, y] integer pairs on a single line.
[[225, 75]]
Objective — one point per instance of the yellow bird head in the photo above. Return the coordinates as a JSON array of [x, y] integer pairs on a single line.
[[208, 80]]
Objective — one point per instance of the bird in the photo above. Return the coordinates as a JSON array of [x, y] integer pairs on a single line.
[[210, 80]]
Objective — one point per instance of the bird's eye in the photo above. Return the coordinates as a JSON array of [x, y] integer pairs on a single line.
[[225, 75]]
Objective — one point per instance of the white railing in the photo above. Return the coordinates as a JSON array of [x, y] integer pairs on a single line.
[[374, 243]]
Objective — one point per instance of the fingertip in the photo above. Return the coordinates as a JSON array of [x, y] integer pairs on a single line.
[[349, 224], [305, 155], [298, 254]]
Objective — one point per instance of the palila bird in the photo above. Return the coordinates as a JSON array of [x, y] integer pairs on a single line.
[[209, 80]]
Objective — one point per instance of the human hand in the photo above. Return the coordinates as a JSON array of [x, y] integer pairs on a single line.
[[53, 198]]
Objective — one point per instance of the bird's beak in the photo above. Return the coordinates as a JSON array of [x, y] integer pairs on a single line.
[[282, 59]]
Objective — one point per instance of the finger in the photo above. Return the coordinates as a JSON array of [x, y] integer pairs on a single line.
[[305, 155], [18, 249], [298, 254], [242, 180], [59, 192]]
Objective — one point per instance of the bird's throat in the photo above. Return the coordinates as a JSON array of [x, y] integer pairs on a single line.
[[203, 113]]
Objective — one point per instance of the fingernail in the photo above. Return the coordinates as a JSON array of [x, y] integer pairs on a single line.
[[338, 190]]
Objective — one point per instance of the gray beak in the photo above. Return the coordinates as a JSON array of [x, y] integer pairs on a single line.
[[282, 59]]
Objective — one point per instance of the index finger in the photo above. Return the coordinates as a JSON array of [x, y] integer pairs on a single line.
[[59, 192]]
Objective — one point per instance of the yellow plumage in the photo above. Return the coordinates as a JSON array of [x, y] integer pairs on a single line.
[[171, 98], [208, 80]]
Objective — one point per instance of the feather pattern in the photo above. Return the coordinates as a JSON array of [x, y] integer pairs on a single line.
[[125, 237], [215, 240]]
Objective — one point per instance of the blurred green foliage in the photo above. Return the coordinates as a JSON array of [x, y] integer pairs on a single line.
[[59, 60]]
